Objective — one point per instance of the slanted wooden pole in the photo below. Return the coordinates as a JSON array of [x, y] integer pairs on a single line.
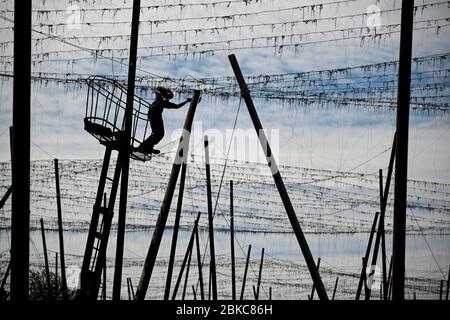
[[380, 236], [245, 271], [186, 257], [383, 237], [20, 216], [186, 277], [362, 277], [176, 226], [60, 233], [199, 264], [335, 288], [128, 287], [194, 293], [47, 270], [233, 268], [125, 150], [212, 264], [314, 287], [401, 153], [259, 274], [278, 180], [5, 197], [181, 157], [389, 287], [254, 293], [104, 277], [5, 277]]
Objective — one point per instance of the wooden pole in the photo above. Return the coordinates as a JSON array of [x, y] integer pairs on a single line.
[[125, 150], [199, 264], [194, 293], [314, 287], [441, 289], [270, 293], [380, 231], [233, 268], [61, 236], [186, 277], [383, 237], [181, 156], [176, 226], [186, 257], [335, 287], [5, 277], [212, 264], [448, 284], [389, 287], [401, 153], [245, 271], [128, 287], [259, 274], [5, 197], [278, 180], [47, 270], [56, 276], [362, 277], [254, 293], [104, 275], [20, 216]]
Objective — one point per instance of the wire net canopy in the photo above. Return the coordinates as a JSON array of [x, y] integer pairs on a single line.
[[105, 115]]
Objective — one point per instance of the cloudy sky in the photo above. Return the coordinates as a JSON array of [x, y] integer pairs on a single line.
[[291, 36]]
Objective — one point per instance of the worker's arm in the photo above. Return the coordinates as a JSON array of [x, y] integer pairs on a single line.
[[170, 105]]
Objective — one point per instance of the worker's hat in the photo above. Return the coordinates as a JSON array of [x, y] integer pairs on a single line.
[[164, 92]]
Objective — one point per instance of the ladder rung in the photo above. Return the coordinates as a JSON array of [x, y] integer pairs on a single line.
[[108, 178], [98, 235]]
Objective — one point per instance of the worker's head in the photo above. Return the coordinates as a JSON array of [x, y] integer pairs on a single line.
[[164, 93]]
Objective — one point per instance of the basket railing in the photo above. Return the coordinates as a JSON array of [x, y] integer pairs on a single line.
[[105, 111]]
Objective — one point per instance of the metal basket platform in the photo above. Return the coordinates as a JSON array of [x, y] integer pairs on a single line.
[[105, 110]]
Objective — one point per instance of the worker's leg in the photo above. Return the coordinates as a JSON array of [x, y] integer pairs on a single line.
[[157, 125]]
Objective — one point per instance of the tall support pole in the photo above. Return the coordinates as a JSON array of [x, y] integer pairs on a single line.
[[199, 264], [401, 153], [20, 217], [245, 271], [104, 279], [47, 270], [212, 264], [335, 288], [61, 236], [362, 277], [441, 289], [259, 275], [270, 293], [56, 276], [383, 237], [125, 148], [448, 284], [314, 286], [181, 157], [233, 268], [176, 226], [278, 180]]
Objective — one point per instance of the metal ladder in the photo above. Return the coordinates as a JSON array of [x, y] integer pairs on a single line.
[[99, 230]]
